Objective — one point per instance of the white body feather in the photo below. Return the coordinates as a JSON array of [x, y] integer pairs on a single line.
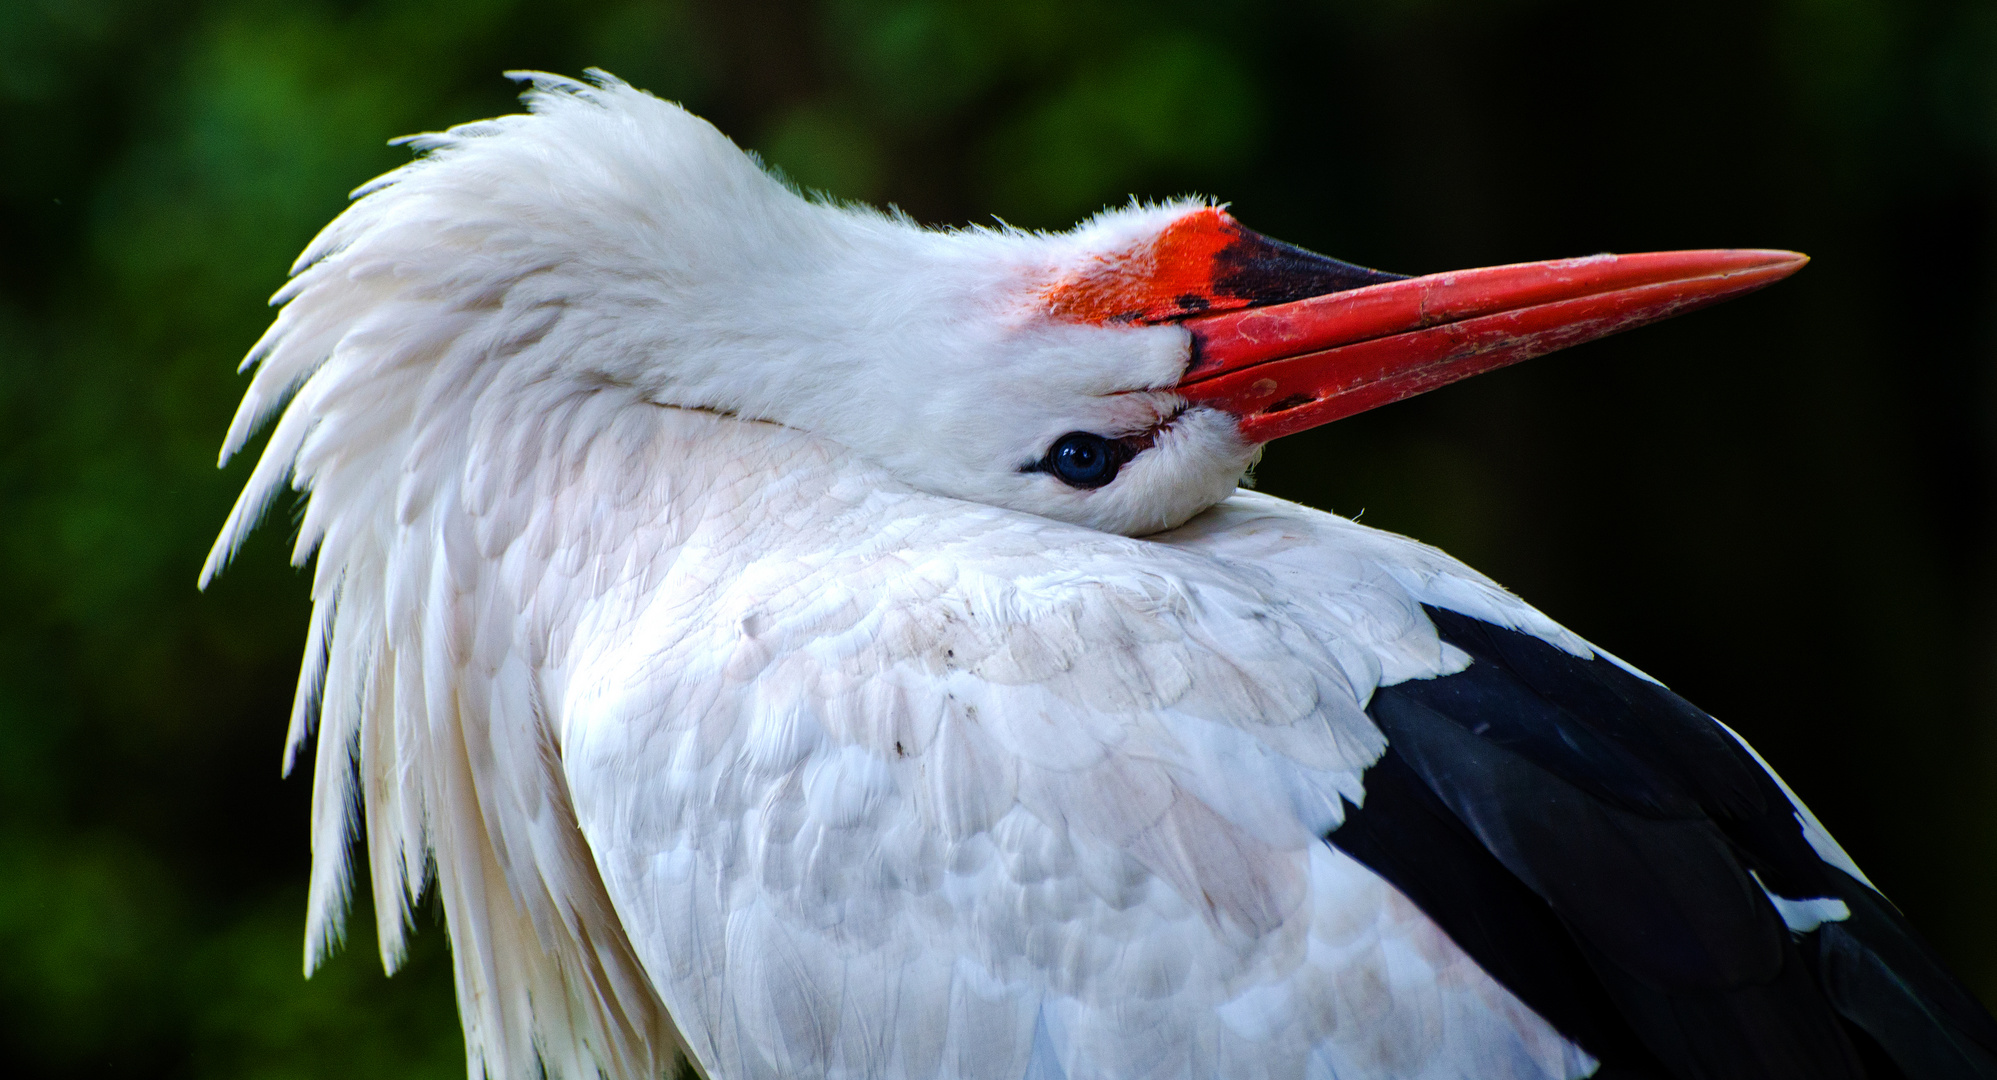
[[786, 743]]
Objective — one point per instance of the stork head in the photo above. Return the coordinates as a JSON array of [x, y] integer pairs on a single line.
[[1122, 375]]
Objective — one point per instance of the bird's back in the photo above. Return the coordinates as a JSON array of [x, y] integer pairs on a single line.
[[891, 785]]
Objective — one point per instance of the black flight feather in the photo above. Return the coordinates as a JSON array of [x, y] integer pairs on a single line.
[[1600, 846]]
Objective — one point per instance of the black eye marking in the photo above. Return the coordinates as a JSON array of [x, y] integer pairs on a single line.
[[1086, 460]]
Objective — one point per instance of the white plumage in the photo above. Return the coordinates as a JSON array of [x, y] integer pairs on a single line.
[[681, 599]]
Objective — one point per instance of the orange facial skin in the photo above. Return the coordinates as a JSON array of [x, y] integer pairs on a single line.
[[1170, 277]]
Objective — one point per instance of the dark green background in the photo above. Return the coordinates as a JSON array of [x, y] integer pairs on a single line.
[[1781, 507]]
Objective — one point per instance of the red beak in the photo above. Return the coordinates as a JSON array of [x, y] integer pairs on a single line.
[[1290, 366]]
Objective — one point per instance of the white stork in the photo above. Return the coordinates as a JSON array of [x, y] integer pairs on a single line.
[[827, 647]]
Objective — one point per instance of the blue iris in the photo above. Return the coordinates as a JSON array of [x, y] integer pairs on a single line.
[[1083, 460]]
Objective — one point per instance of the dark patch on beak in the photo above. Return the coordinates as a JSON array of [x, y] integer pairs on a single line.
[[1263, 271]]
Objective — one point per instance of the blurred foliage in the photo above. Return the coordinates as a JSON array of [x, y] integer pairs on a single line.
[[1782, 507]]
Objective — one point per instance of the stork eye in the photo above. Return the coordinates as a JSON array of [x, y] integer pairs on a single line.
[[1084, 460]]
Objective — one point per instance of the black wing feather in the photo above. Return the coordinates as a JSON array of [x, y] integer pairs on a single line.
[[1406, 835], [1594, 841], [1887, 982]]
